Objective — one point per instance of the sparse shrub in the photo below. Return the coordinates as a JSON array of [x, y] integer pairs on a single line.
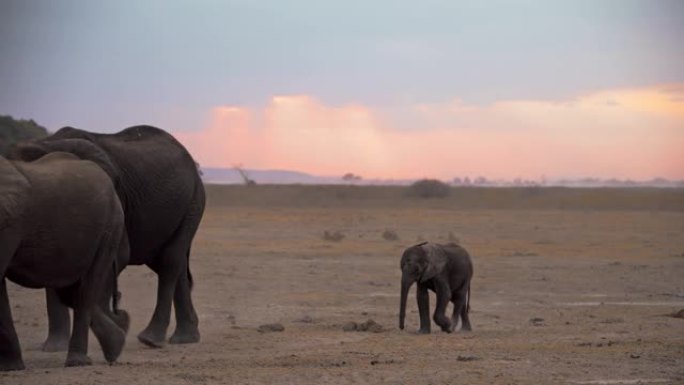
[[267, 328], [678, 314], [335, 236], [390, 235], [429, 188], [368, 326]]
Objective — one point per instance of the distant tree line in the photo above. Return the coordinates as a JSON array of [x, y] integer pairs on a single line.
[[17, 130]]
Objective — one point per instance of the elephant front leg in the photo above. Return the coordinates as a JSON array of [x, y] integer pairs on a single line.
[[423, 299], [10, 352], [59, 323]]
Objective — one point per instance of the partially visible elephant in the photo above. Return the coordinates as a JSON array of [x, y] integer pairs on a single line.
[[445, 269], [163, 199], [62, 227]]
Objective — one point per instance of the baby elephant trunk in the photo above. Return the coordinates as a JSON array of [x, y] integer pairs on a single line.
[[406, 283]]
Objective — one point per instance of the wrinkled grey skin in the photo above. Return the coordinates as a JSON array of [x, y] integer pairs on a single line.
[[447, 271], [62, 227], [163, 199]]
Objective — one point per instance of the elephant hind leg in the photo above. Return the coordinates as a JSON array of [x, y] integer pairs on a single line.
[[460, 302], [154, 335], [440, 317], [59, 323], [187, 330], [464, 312], [78, 343], [87, 311], [172, 267], [10, 351], [455, 315], [120, 317]]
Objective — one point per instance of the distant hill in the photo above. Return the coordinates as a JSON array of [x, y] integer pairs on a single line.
[[232, 176], [17, 130]]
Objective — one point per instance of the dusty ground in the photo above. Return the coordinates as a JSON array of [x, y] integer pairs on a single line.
[[559, 296]]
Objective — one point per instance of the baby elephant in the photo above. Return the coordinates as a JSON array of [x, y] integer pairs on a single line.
[[444, 269]]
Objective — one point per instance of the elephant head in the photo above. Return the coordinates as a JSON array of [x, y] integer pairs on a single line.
[[419, 263]]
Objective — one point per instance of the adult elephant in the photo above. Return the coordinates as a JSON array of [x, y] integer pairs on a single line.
[[61, 226], [163, 200]]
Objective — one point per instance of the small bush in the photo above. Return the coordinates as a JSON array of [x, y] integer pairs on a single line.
[[429, 188], [390, 235], [335, 236]]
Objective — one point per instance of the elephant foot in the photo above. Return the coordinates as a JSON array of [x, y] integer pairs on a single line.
[[77, 360], [121, 319], [56, 344], [152, 339], [180, 337], [110, 336], [424, 331], [113, 346], [112, 343], [6, 366]]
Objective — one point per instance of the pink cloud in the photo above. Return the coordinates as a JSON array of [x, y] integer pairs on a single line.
[[629, 133]]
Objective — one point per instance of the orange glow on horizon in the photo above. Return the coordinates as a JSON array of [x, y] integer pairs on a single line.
[[630, 133]]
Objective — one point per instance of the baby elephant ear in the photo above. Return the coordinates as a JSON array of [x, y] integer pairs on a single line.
[[436, 261]]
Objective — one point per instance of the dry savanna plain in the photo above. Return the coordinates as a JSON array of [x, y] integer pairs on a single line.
[[571, 286]]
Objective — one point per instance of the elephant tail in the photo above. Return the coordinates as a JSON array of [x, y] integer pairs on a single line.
[[468, 299], [190, 280], [115, 287]]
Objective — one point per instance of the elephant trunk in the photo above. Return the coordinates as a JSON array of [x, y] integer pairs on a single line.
[[406, 283]]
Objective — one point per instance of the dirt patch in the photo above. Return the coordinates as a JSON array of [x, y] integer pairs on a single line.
[[259, 259]]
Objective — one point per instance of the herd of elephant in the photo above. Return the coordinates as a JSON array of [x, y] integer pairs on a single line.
[[77, 207]]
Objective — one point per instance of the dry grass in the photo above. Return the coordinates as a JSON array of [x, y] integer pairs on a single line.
[[523, 198]]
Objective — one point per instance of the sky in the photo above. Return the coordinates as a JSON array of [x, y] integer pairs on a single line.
[[383, 89]]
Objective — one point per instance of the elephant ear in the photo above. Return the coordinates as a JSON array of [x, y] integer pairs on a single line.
[[13, 188], [436, 261]]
